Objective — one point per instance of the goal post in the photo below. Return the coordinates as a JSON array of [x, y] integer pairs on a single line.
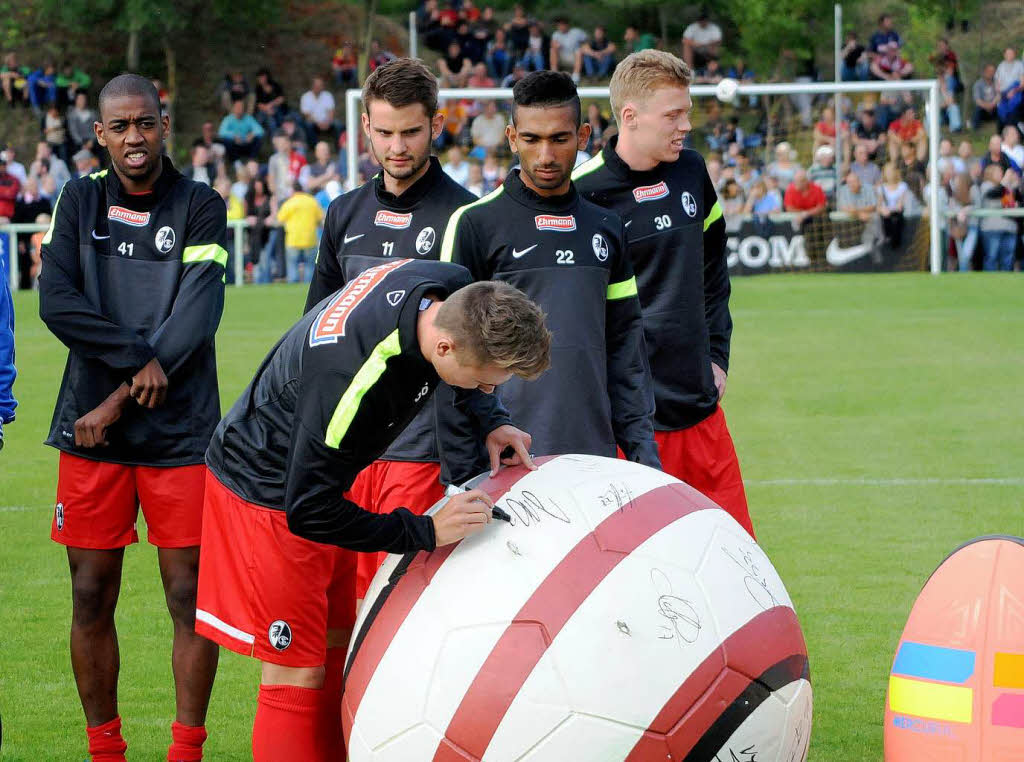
[[928, 88]]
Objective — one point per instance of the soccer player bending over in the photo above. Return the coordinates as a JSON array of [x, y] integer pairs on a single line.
[[277, 570], [133, 284], [402, 212], [675, 235]]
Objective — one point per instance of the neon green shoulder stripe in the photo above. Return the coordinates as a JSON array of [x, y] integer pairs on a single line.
[[448, 242], [622, 290], [53, 217], [98, 175], [591, 165], [714, 214], [362, 382], [209, 252]]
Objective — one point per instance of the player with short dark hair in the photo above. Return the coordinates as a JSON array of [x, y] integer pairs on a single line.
[[537, 233], [133, 284], [402, 212], [326, 402], [677, 243]]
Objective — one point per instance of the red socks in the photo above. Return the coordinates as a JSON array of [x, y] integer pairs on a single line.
[[106, 743], [186, 743], [330, 705], [301, 723], [286, 725]]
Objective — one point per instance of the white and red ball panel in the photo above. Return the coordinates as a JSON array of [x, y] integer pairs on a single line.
[[622, 615]]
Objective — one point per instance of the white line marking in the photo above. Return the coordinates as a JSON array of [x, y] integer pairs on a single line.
[[1012, 481]]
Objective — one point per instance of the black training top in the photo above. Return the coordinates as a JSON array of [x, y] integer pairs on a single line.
[[126, 278], [329, 398], [568, 256], [677, 244]]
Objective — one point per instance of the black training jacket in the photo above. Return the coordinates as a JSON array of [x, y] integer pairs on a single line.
[[126, 278], [677, 244], [568, 256], [371, 223], [329, 398]]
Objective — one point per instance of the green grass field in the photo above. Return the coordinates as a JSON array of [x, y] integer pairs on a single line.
[[878, 421]]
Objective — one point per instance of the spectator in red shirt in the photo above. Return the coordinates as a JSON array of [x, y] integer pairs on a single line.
[[807, 201], [10, 187], [907, 129], [804, 197], [825, 130], [469, 11], [345, 66]]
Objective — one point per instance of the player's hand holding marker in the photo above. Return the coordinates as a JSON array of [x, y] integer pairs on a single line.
[[465, 514]]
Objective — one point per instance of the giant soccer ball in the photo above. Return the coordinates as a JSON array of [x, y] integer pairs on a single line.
[[620, 616]]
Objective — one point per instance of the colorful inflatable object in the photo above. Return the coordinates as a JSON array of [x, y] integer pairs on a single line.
[[620, 615], [956, 692]]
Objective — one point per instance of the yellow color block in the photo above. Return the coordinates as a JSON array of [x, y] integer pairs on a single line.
[[939, 702], [1009, 671]]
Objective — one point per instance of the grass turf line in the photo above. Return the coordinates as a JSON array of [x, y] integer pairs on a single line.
[[848, 378]]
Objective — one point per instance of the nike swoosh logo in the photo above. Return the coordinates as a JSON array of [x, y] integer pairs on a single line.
[[517, 254], [349, 239], [99, 237], [838, 256], [628, 224]]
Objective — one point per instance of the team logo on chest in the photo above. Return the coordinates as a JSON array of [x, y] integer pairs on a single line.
[[393, 220], [563, 224], [164, 240], [600, 247], [425, 241], [330, 323], [128, 217], [650, 192], [689, 204]]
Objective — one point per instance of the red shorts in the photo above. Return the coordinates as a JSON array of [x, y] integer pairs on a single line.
[[264, 591], [384, 486], [98, 504], [704, 457]]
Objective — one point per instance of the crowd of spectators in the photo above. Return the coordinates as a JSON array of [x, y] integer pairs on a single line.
[[884, 181], [267, 148]]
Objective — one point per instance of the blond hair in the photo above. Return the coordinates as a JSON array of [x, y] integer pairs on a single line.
[[498, 325], [641, 73]]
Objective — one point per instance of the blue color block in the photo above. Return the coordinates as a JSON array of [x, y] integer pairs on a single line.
[[949, 665]]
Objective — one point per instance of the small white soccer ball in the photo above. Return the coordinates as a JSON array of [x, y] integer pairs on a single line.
[[726, 90]]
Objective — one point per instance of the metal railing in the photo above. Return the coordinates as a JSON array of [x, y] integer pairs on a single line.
[[241, 228], [14, 230]]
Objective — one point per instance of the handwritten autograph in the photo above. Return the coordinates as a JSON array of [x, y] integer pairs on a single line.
[[618, 495], [527, 509], [748, 754], [683, 620], [756, 583]]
